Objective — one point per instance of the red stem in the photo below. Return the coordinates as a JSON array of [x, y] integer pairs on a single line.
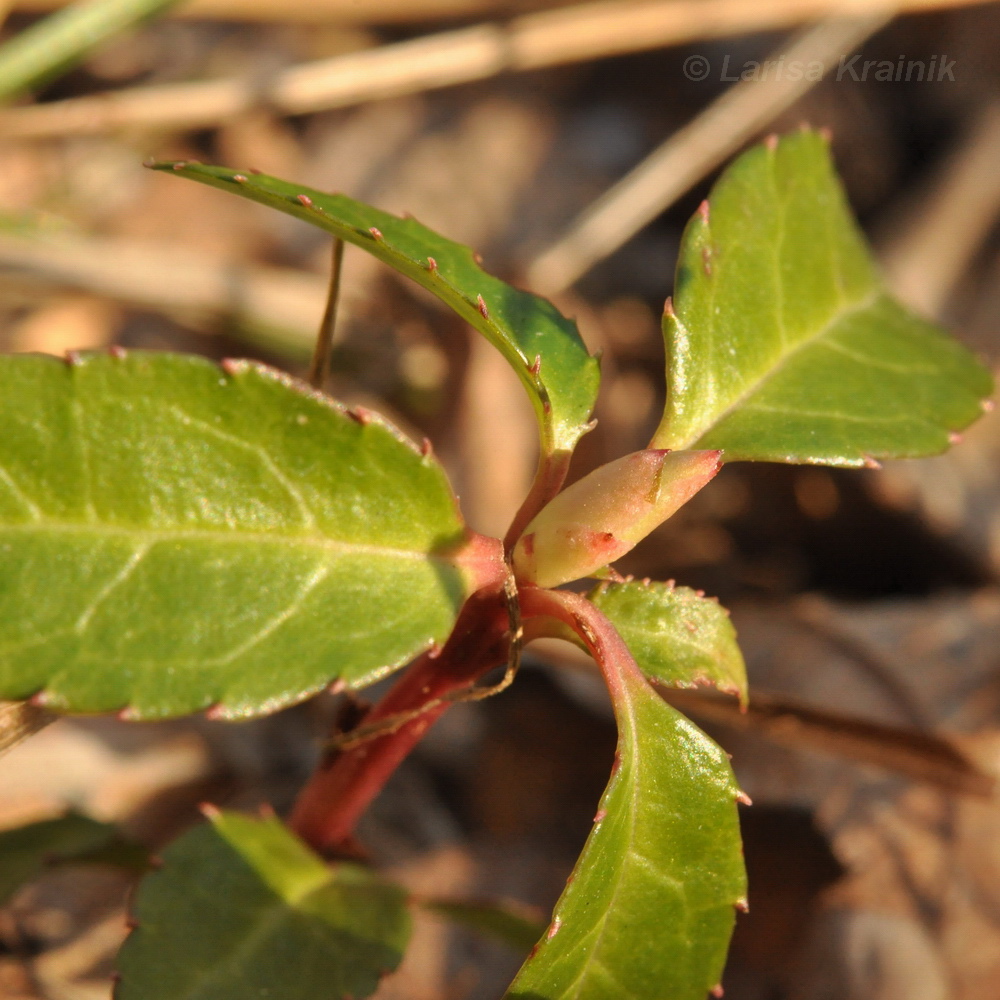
[[342, 788], [601, 637], [549, 478]]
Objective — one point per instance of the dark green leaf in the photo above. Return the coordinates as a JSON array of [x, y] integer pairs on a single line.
[[176, 536], [649, 909], [243, 909], [678, 637], [26, 850], [521, 326], [503, 921], [783, 345]]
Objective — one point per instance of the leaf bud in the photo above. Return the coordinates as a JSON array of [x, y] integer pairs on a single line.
[[608, 512]]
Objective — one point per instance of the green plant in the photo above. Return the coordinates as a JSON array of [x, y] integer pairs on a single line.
[[180, 538]]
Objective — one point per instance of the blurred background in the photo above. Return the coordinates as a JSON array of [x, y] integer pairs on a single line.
[[568, 143]]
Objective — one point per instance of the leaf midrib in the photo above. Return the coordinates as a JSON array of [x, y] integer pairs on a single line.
[[234, 537], [782, 359]]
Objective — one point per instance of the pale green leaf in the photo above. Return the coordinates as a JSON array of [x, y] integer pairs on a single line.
[[175, 535], [522, 326], [243, 909], [782, 343], [678, 637], [55, 43]]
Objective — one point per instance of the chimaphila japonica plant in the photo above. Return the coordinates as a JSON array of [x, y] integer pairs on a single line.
[[179, 537]]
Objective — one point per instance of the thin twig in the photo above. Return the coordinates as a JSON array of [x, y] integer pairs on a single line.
[[690, 153], [528, 42], [319, 370], [920, 756]]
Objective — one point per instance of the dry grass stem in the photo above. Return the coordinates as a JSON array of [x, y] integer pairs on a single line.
[[312, 11], [276, 307], [531, 41], [927, 260], [19, 720], [688, 155], [319, 369]]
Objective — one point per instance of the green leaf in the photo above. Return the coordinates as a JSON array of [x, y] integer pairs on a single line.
[[26, 851], [782, 343], [648, 911], [678, 637], [520, 325], [243, 909], [505, 922], [176, 536]]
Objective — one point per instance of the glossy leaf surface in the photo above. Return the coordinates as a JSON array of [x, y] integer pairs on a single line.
[[242, 908], [649, 909], [677, 637], [782, 343], [521, 325], [25, 851], [176, 536]]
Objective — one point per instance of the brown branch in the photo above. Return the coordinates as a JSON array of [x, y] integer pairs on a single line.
[[917, 755]]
